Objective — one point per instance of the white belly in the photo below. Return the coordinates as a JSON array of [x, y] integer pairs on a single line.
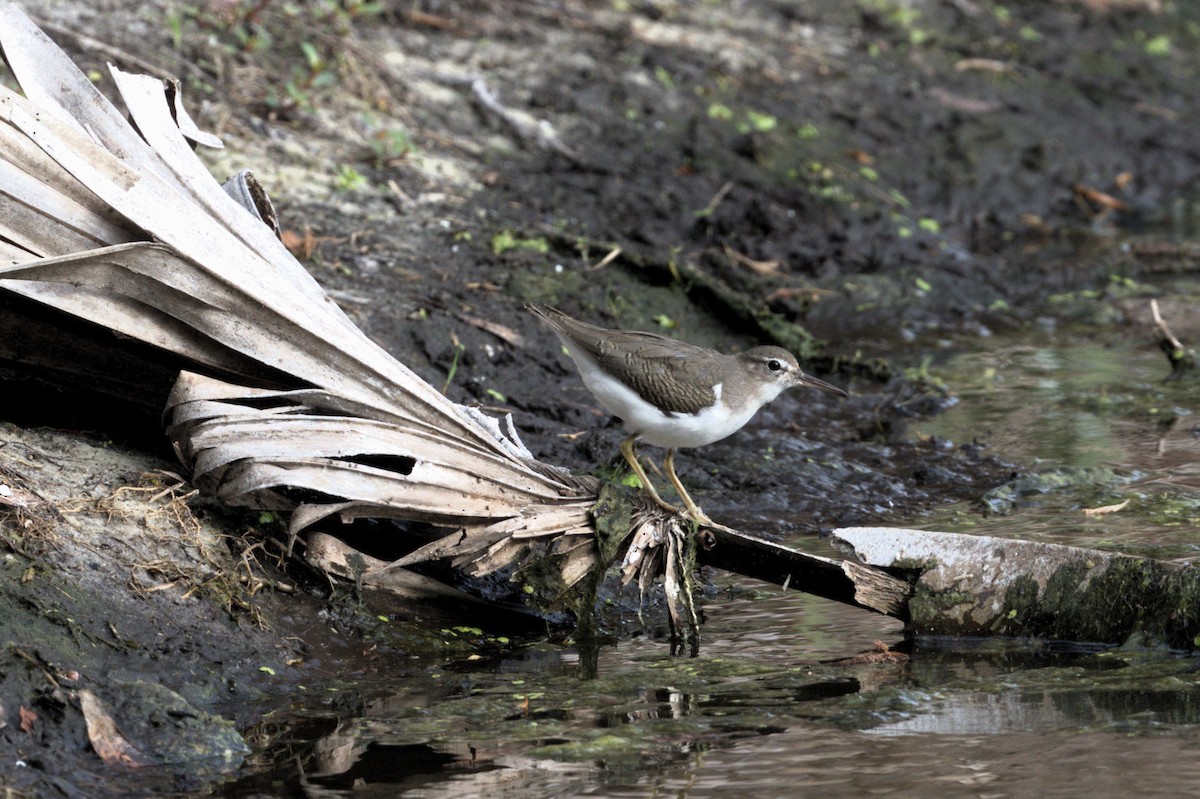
[[652, 425]]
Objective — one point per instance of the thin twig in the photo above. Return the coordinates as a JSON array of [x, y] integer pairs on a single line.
[[527, 127], [1182, 360], [613, 254], [716, 199], [1162, 328]]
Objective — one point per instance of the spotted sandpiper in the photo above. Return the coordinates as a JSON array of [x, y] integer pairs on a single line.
[[673, 394]]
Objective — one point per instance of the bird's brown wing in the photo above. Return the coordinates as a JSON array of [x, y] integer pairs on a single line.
[[655, 366], [658, 369]]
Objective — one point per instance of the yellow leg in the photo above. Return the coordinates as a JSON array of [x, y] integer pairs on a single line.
[[692, 509], [631, 456]]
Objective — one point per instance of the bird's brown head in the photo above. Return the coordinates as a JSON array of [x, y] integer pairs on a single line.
[[777, 370]]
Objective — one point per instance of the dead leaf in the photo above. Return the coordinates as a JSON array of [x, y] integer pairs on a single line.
[[301, 245], [1035, 223], [28, 718], [17, 497], [424, 19], [809, 293], [1122, 6], [1160, 111], [1105, 509], [1105, 202], [967, 105], [502, 332], [758, 267], [102, 731], [985, 65], [613, 254], [881, 653]]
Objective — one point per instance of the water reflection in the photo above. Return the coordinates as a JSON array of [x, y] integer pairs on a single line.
[[1073, 404], [814, 762], [769, 706], [1074, 401]]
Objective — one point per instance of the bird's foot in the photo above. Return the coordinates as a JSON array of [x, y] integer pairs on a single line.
[[702, 519], [662, 503]]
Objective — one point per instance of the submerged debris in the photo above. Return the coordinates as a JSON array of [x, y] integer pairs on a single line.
[[1182, 359]]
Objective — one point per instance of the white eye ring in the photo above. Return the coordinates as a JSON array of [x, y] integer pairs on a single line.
[[775, 365]]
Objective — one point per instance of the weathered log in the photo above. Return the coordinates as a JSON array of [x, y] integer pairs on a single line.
[[979, 585]]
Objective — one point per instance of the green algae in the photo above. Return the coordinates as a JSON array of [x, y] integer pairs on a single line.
[[1122, 600], [1089, 480]]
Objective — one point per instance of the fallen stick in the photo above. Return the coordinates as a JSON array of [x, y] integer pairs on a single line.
[[840, 580], [1182, 359]]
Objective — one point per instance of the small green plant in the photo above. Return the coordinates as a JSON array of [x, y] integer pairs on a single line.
[[722, 113], [349, 178], [269, 517], [459, 348], [175, 23], [317, 73], [1159, 45], [304, 39], [924, 374], [506, 240], [759, 122], [389, 147]]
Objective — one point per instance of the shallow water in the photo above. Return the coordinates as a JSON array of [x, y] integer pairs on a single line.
[[771, 708], [760, 711], [1098, 409], [1075, 400]]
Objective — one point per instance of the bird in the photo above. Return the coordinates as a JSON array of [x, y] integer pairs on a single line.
[[673, 394]]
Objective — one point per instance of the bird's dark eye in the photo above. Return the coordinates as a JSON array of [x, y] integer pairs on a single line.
[[775, 365]]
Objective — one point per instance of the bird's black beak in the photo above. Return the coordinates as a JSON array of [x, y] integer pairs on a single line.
[[808, 380]]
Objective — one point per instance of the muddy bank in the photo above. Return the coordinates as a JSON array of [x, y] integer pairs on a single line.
[[115, 587], [843, 179]]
